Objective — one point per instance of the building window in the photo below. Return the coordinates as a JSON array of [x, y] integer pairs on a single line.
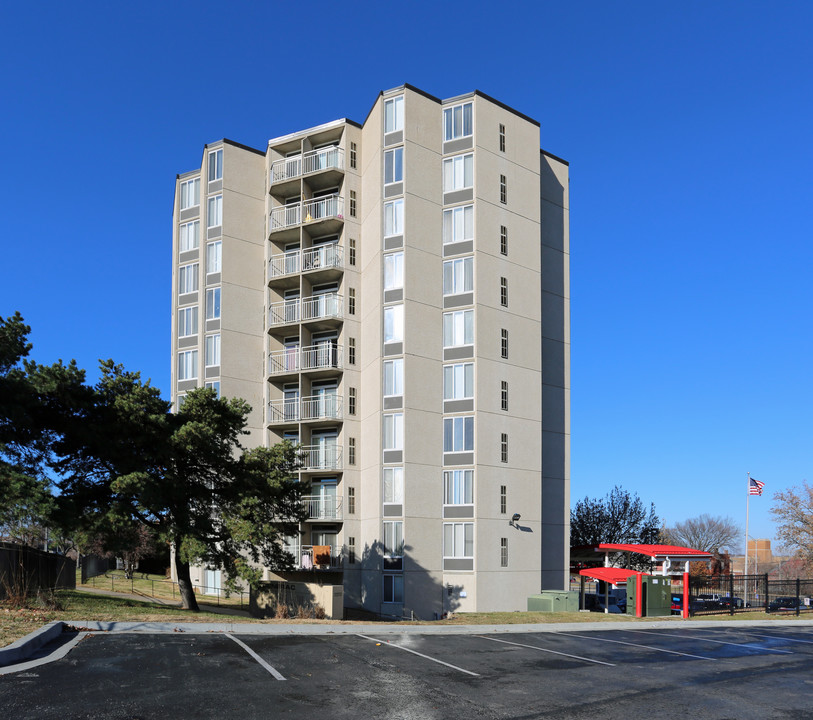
[[190, 193], [502, 137], [351, 550], [213, 303], [352, 203], [179, 401], [393, 271], [394, 218], [188, 365], [458, 328], [212, 350], [393, 479], [393, 165], [458, 487], [503, 552], [503, 190], [351, 301], [351, 501], [458, 434], [458, 540], [457, 121], [393, 589], [214, 385], [188, 321], [351, 451], [504, 292], [504, 395], [394, 114], [458, 172], [353, 154], [504, 447], [394, 431], [189, 236], [352, 258], [503, 343], [458, 381], [216, 164], [394, 538], [351, 351], [214, 216], [351, 401], [394, 323], [503, 240], [503, 499], [214, 256], [458, 224], [188, 278], [394, 377], [458, 276]]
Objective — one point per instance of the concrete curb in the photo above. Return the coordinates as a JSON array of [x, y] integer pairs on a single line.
[[25, 647]]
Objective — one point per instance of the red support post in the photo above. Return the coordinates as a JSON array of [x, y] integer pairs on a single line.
[[639, 604], [686, 595]]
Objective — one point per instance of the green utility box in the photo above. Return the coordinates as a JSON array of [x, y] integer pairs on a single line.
[[554, 601], [656, 596]]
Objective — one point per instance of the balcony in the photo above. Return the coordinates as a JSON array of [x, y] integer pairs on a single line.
[[323, 507], [307, 211], [295, 310], [322, 559], [325, 356], [320, 457], [313, 408], [329, 158], [324, 257]]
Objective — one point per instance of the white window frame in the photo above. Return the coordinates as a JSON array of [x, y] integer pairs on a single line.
[[213, 303], [190, 193], [189, 236], [392, 589], [458, 275], [393, 537], [458, 540], [394, 218], [214, 211], [393, 323], [455, 121], [217, 157], [393, 162], [188, 275], [188, 321], [394, 377], [394, 271], [458, 328], [392, 435], [213, 385], [458, 381], [504, 552], [458, 224], [394, 114], [458, 430], [180, 399], [212, 354], [188, 365], [458, 487], [214, 257], [392, 489], [458, 172]]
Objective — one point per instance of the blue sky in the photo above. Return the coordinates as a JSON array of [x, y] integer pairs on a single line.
[[687, 127]]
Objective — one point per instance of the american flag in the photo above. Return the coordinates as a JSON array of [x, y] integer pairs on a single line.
[[755, 487]]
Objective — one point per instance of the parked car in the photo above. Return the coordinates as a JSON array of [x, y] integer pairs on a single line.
[[784, 603], [738, 603], [677, 603]]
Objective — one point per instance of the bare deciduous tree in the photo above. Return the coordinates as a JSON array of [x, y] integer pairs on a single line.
[[705, 532], [793, 510]]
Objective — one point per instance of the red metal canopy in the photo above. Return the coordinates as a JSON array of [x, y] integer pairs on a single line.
[[657, 552], [614, 576]]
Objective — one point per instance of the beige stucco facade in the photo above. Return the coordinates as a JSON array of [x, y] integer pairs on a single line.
[[394, 296]]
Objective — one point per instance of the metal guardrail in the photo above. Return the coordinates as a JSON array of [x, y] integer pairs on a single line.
[[325, 356], [119, 583], [310, 162], [306, 211]]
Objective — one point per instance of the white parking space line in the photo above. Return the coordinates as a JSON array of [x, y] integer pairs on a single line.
[[775, 637], [414, 652], [256, 657], [705, 639], [554, 652], [648, 647]]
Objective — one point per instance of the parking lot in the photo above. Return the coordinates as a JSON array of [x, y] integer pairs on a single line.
[[698, 671]]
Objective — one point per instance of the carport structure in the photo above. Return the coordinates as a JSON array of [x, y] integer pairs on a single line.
[[670, 560]]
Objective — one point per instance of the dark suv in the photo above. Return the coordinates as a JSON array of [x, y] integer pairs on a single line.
[[784, 603]]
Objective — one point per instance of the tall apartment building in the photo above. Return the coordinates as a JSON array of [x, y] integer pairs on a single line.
[[394, 296]]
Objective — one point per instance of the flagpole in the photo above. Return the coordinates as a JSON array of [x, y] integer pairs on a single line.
[[747, 503]]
